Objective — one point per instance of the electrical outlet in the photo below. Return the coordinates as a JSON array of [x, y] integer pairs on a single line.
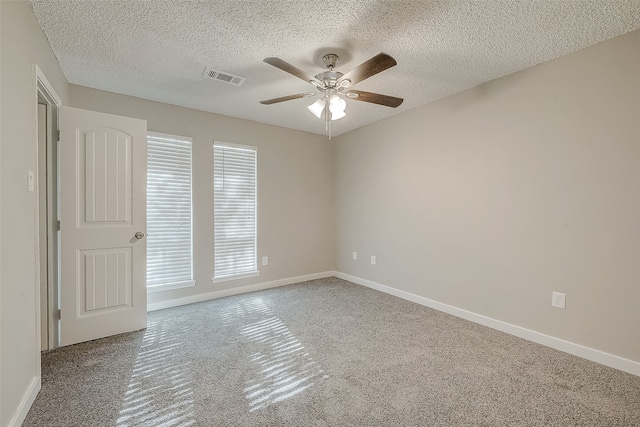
[[558, 299], [355, 255], [265, 260], [373, 260]]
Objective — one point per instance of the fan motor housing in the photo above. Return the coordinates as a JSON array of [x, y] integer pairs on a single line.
[[329, 78]]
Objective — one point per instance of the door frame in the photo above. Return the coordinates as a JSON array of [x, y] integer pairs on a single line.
[[45, 93]]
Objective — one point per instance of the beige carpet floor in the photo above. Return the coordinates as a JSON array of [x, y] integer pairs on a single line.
[[324, 353]]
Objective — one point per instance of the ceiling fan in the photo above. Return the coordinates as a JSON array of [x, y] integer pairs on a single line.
[[336, 86]]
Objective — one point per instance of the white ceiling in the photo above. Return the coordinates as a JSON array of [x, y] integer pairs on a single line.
[[158, 49]]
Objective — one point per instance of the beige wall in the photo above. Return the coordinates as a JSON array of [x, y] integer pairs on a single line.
[[295, 185], [491, 199], [22, 45], [487, 200]]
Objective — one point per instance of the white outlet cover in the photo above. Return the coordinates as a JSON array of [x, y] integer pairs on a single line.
[[558, 300], [265, 260], [373, 260], [355, 255]]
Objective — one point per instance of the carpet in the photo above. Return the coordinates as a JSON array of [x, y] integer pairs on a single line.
[[324, 353]]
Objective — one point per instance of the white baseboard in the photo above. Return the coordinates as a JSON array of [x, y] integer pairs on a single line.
[[588, 353], [235, 291], [27, 400]]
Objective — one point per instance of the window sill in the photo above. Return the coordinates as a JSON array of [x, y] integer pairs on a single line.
[[235, 277], [170, 286]]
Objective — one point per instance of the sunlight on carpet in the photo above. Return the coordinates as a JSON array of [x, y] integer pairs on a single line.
[[285, 367], [160, 390]]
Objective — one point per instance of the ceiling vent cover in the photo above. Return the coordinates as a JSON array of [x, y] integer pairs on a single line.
[[224, 77]]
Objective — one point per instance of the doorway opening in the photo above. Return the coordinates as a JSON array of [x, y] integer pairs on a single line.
[[47, 224]]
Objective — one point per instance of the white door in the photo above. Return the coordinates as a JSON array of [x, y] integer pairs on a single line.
[[103, 176]]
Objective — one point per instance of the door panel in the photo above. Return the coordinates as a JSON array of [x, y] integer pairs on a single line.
[[102, 206], [106, 278], [105, 184]]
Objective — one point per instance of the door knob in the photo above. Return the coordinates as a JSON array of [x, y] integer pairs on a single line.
[[139, 235]]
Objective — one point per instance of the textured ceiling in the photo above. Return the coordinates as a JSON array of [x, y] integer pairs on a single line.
[[158, 49]]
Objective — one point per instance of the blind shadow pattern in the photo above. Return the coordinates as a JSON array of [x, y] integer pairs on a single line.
[[161, 390], [284, 367]]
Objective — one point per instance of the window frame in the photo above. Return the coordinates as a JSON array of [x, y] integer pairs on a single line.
[[244, 274], [185, 283]]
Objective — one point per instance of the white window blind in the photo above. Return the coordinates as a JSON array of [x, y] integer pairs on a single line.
[[234, 214], [169, 228]]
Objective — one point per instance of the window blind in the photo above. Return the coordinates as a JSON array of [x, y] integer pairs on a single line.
[[234, 201], [169, 228]]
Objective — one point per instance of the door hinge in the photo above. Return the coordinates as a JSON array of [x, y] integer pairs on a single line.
[[57, 315], [57, 135], [56, 226]]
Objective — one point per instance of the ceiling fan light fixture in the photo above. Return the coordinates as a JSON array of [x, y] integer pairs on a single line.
[[337, 106], [335, 86], [317, 107], [337, 115]]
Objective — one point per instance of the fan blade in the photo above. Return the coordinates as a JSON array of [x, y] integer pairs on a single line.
[[375, 65], [285, 66], [375, 98], [287, 98]]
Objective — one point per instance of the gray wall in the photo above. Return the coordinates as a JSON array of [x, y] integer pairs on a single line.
[[295, 187], [22, 45], [491, 199]]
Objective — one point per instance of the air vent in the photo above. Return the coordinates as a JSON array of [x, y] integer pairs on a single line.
[[224, 77]]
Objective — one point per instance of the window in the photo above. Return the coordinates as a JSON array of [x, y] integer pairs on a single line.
[[234, 211], [169, 225]]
